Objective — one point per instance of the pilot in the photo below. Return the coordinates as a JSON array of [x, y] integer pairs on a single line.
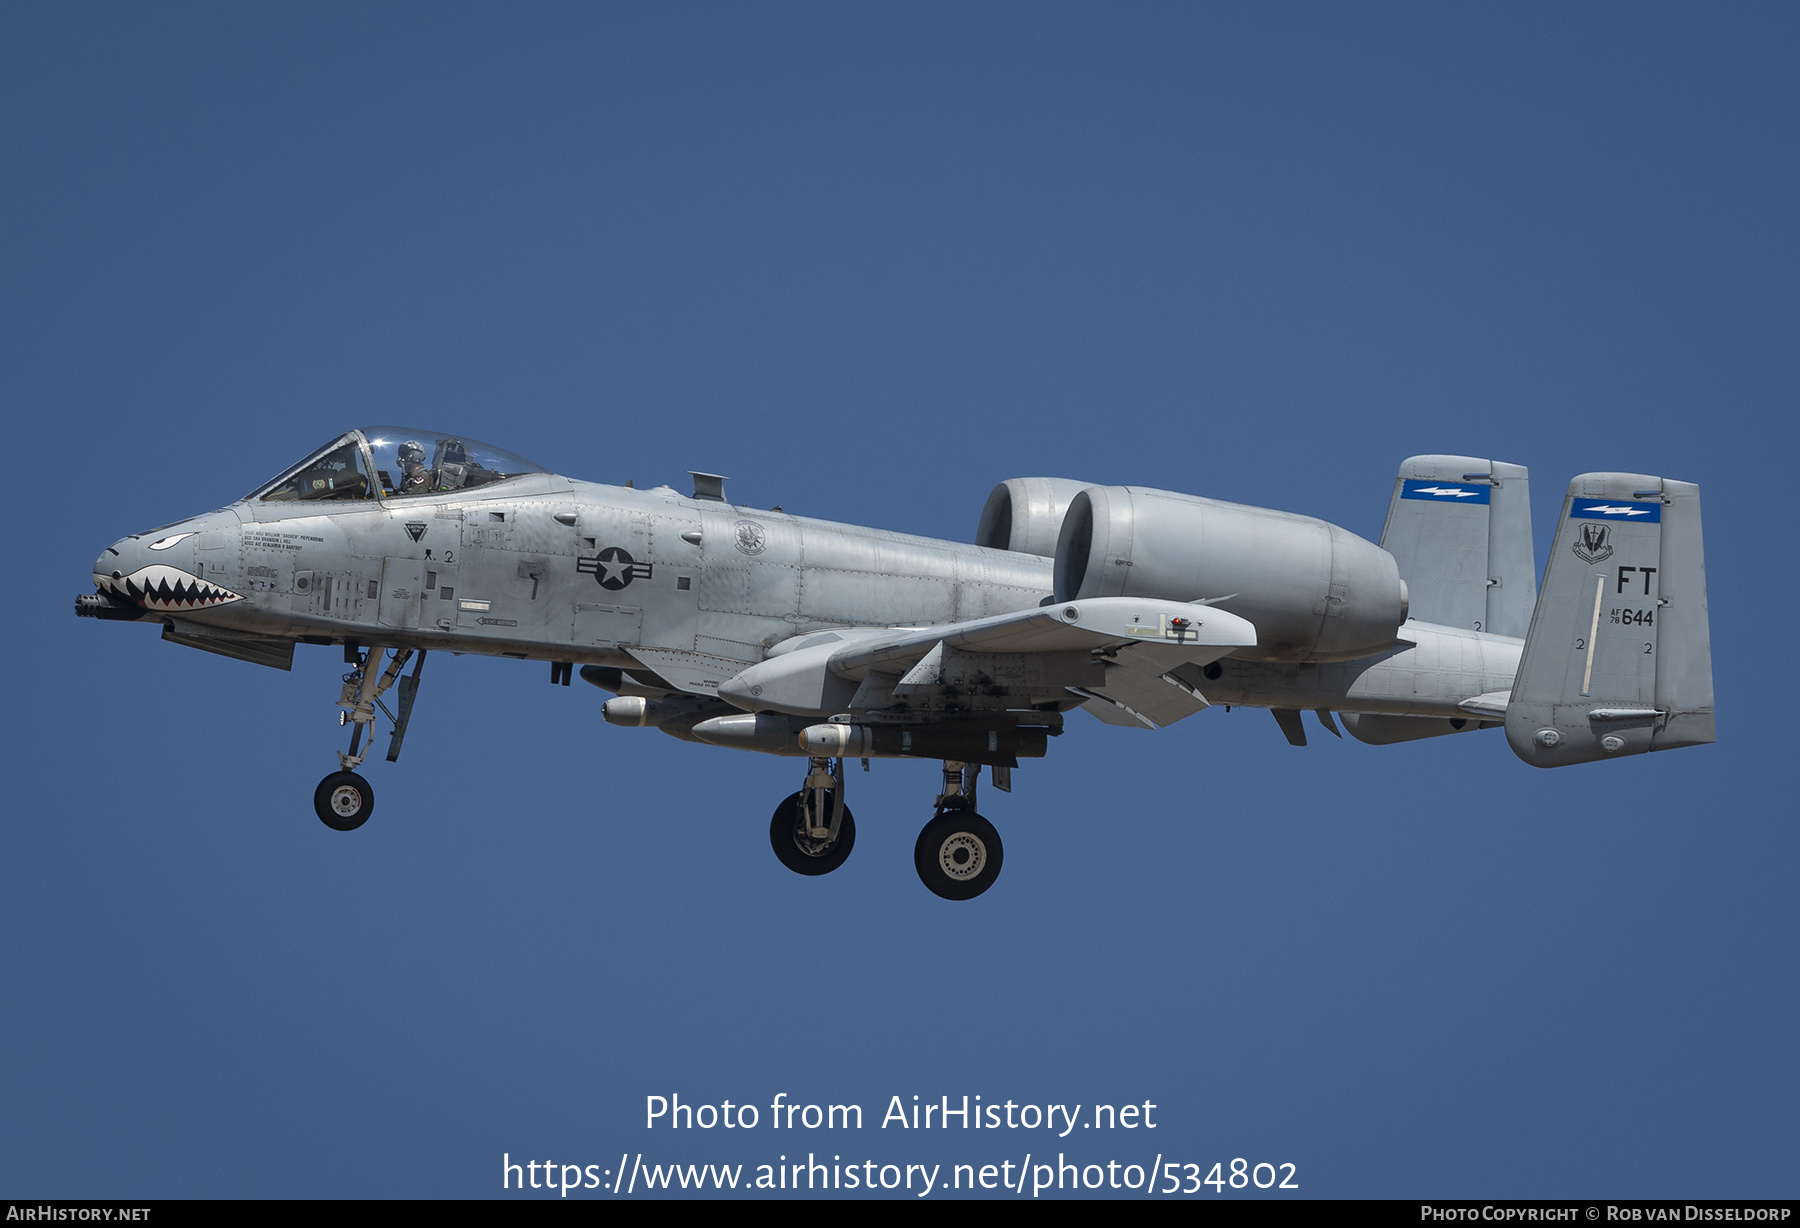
[[415, 478]]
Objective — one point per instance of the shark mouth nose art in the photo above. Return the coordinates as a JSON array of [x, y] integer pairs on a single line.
[[161, 587]]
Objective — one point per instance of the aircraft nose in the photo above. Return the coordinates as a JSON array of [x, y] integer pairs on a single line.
[[116, 561], [154, 572]]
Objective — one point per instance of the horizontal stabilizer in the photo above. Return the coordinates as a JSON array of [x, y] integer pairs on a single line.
[[1619, 657]]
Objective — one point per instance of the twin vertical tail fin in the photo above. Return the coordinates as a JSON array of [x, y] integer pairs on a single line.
[[1460, 529], [1618, 660]]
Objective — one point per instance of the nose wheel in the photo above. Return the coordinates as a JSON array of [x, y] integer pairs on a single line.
[[812, 831], [790, 833], [344, 801]]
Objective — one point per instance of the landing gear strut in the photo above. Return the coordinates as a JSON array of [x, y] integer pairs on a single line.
[[958, 855], [344, 801], [812, 831]]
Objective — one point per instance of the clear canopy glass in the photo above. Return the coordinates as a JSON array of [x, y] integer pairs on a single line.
[[335, 472], [411, 462], [407, 462]]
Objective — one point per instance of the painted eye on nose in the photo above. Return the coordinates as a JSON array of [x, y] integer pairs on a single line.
[[170, 540]]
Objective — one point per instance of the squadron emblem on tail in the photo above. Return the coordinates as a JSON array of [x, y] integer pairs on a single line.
[[1592, 546]]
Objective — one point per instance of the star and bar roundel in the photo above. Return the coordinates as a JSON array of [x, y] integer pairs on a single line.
[[614, 568]]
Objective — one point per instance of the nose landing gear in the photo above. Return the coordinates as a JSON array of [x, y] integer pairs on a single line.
[[812, 831], [344, 801]]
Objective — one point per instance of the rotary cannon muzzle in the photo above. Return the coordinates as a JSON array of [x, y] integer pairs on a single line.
[[103, 605]]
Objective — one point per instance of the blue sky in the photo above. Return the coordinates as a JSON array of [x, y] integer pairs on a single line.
[[870, 261]]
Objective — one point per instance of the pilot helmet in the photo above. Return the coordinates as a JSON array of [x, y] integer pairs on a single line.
[[412, 452]]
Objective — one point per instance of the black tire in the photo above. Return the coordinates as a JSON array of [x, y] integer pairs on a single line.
[[344, 801], [958, 855], [800, 854]]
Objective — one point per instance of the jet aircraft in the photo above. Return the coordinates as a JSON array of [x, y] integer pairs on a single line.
[[752, 628]]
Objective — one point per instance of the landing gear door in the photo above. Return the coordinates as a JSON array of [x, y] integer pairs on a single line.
[[402, 585]]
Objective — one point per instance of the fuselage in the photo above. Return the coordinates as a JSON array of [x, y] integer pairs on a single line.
[[550, 568], [546, 567]]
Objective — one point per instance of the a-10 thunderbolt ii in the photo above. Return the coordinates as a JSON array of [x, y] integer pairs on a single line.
[[751, 628]]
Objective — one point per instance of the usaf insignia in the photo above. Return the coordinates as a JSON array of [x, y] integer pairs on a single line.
[[613, 569]]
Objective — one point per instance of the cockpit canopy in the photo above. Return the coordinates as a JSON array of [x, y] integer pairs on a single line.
[[393, 462]]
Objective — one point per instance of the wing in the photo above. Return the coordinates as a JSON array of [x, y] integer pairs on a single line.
[[1138, 656]]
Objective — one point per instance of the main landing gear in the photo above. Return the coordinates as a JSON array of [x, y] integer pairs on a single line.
[[958, 855], [344, 801]]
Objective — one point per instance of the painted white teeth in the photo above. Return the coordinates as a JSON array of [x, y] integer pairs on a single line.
[[160, 587]]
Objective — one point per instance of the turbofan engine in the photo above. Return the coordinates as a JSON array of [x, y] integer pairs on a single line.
[[1024, 515], [1315, 592]]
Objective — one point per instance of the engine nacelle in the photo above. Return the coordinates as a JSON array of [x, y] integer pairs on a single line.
[[1024, 515], [1315, 592]]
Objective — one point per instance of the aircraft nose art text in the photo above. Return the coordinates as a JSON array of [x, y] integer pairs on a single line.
[[164, 588]]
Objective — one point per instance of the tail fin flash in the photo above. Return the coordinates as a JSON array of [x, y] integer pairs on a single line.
[[1460, 529], [1619, 657]]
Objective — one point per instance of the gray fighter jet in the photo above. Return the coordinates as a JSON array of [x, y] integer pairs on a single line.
[[750, 628]]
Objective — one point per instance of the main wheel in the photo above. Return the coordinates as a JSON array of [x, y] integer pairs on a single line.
[[798, 851], [958, 855], [344, 801]]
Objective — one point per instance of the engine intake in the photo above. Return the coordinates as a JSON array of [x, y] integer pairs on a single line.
[[1316, 592], [1024, 515]]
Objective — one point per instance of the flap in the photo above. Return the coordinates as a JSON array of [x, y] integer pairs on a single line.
[[1144, 684]]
